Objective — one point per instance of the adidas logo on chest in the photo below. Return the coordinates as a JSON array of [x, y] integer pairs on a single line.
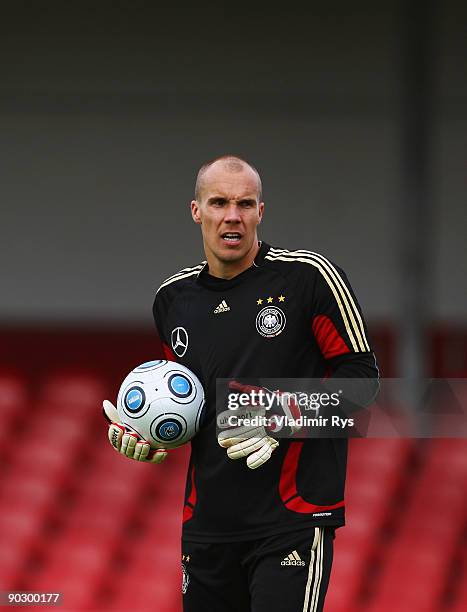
[[222, 307]]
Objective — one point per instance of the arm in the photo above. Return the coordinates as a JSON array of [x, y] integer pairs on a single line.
[[341, 334]]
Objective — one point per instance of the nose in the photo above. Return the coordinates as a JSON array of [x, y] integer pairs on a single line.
[[232, 213]]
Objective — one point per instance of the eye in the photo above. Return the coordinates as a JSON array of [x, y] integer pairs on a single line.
[[246, 203]]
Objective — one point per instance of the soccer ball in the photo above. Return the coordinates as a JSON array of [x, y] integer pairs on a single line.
[[162, 401]]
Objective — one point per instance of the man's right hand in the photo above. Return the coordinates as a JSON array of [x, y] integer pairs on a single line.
[[127, 442]]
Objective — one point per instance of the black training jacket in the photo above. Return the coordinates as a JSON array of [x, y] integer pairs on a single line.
[[291, 315]]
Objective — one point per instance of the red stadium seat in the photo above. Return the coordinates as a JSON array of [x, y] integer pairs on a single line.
[[12, 561], [163, 589], [393, 603], [28, 493], [43, 460], [22, 526], [78, 394], [347, 576], [108, 462], [14, 395], [358, 532], [66, 431], [79, 589], [103, 518], [80, 553], [127, 480], [459, 591], [378, 453], [460, 603], [415, 572], [20, 535], [151, 560], [415, 576], [75, 558], [14, 405], [448, 457], [376, 469]]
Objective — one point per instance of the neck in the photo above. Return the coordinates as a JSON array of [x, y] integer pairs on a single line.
[[229, 269]]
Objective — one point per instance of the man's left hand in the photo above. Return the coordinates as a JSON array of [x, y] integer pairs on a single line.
[[254, 442], [251, 442]]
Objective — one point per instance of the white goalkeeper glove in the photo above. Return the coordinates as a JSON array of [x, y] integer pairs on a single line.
[[127, 442], [254, 442], [250, 442]]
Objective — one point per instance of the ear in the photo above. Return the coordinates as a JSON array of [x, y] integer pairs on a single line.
[[260, 211], [195, 212]]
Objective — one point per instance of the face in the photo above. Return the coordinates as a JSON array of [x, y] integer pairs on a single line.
[[229, 212]]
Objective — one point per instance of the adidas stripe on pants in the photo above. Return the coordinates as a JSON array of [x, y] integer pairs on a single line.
[[282, 573]]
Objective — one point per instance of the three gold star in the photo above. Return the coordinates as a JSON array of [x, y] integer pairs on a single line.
[[270, 300]]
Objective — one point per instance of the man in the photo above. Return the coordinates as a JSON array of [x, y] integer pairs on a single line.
[[258, 532]]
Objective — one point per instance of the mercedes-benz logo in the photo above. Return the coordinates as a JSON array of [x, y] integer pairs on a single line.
[[179, 339]]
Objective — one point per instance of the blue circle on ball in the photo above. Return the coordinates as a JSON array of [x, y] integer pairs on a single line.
[[180, 385], [169, 430], [147, 365], [134, 399]]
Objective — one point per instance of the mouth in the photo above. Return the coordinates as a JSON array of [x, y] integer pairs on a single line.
[[231, 238]]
